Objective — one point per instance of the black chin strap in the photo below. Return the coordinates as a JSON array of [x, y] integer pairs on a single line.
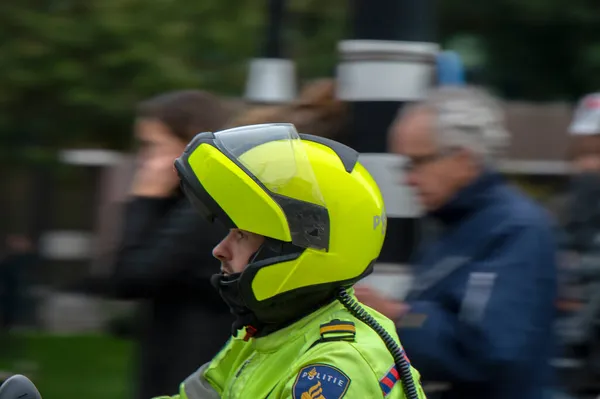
[[270, 248], [245, 317]]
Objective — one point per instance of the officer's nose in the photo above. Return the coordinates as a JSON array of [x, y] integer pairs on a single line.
[[221, 251]]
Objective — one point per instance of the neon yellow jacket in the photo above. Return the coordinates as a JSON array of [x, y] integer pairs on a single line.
[[326, 355]]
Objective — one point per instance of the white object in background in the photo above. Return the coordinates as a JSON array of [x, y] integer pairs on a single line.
[[586, 121], [390, 280], [66, 245], [68, 313], [381, 70], [90, 157], [271, 80], [400, 200]]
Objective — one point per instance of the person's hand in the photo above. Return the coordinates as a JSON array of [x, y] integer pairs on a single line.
[[18, 243], [155, 177], [587, 163], [388, 307]]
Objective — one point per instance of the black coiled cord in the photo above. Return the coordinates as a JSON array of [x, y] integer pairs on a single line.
[[401, 363]]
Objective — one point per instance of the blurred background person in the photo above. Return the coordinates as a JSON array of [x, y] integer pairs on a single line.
[[480, 313], [165, 256], [16, 308], [583, 209], [579, 304], [16, 270], [316, 111]]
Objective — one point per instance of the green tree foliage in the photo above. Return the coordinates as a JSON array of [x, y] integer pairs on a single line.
[[316, 27], [71, 71], [540, 50]]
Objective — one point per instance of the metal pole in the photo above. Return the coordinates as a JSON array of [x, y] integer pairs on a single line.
[[276, 15], [389, 61], [272, 77]]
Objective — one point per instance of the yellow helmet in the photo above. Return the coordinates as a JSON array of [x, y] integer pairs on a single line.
[[308, 193]]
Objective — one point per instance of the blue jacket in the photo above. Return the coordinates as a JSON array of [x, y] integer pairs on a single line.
[[482, 305]]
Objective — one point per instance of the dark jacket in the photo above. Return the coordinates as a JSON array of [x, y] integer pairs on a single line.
[[482, 306], [579, 326], [16, 270], [165, 259], [583, 212]]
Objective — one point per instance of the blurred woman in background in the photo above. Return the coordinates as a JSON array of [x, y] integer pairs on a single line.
[[317, 111], [165, 255]]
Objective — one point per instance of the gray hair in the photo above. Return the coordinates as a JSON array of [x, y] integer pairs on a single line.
[[469, 118]]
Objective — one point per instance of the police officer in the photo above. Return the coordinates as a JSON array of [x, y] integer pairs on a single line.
[[306, 221]]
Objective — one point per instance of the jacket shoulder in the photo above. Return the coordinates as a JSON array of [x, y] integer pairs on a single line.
[[342, 370], [515, 211], [357, 355]]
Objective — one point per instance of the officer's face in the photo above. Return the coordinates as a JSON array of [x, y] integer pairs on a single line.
[[235, 250]]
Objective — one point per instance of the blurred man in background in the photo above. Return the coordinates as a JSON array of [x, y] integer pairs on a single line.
[[579, 305], [583, 213], [165, 256], [479, 317]]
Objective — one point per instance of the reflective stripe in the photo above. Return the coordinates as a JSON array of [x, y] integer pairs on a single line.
[[477, 295], [437, 273], [196, 387]]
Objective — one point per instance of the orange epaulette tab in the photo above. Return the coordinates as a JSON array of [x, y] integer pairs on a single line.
[[338, 330]]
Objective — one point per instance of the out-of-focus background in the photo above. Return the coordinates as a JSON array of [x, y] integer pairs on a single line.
[[72, 73]]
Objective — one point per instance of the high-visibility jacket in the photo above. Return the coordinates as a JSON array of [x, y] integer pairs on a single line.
[[328, 354]]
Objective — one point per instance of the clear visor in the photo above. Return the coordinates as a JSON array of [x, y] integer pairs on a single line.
[[274, 154]]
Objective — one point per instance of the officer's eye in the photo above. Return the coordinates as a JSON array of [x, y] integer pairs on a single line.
[[241, 235]]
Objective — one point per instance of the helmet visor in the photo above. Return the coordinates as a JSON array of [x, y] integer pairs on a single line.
[[274, 156]]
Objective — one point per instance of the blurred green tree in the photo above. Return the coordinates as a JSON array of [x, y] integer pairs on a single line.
[[71, 70], [540, 50]]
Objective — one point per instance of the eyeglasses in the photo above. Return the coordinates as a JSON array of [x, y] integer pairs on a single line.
[[417, 162]]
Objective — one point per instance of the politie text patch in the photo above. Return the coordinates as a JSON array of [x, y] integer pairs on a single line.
[[320, 381]]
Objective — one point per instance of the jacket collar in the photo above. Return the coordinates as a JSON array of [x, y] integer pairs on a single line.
[[294, 331], [468, 199]]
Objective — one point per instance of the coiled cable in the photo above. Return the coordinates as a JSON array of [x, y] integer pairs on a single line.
[[402, 364]]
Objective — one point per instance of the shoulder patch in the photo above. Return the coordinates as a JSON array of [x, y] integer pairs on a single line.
[[338, 330], [320, 381], [389, 380]]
